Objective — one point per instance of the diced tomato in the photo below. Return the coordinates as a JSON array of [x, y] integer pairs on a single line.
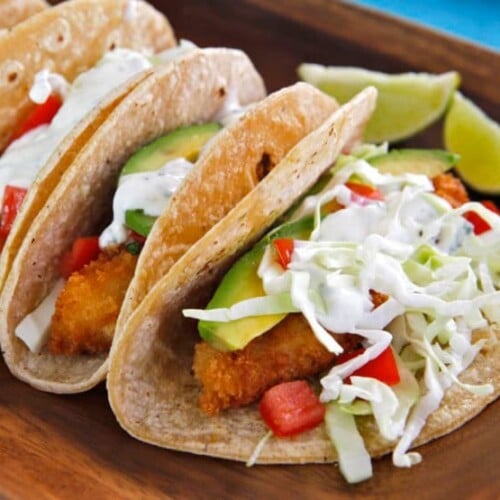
[[383, 367], [284, 248], [365, 191], [42, 114], [12, 200], [291, 408], [490, 205], [84, 250], [479, 225]]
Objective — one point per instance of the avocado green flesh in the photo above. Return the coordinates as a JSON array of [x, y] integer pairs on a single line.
[[184, 142], [429, 162], [139, 222], [241, 283]]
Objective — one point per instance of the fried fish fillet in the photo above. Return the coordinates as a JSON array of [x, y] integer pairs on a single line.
[[287, 352], [87, 308], [450, 188]]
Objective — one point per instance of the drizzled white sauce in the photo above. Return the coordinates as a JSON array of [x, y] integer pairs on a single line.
[[149, 191], [47, 83], [24, 158]]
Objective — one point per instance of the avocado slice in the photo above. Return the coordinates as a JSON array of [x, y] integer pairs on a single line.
[[184, 142], [241, 283], [429, 162], [139, 222]]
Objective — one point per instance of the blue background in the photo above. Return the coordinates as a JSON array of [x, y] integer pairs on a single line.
[[475, 20]]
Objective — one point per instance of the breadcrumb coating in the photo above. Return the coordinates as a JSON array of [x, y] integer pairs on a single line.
[[450, 188], [287, 352], [88, 306]]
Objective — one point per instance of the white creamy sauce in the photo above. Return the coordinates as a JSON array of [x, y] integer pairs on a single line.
[[385, 234], [148, 191], [47, 83], [352, 224], [24, 158], [34, 329]]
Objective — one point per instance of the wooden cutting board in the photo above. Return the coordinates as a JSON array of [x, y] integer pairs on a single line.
[[71, 446]]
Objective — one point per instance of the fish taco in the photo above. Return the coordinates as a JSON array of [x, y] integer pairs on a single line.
[[364, 323], [183, 153]]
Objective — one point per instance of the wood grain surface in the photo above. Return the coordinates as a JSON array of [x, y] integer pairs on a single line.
[[72, 447]]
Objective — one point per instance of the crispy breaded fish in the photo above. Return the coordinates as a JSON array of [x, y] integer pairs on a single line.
[[450, 188], [88, 306], [287, 352]]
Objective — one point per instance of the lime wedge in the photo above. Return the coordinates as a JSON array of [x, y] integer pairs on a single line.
[[476, 138], [406, 104]]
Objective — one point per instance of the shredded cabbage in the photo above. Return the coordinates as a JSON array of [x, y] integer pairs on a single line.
[[441, 282], [354, 460]]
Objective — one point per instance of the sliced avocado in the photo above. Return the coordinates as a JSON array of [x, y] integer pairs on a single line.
[[184, 142], [139, 222], [241, 283], [429, 162]]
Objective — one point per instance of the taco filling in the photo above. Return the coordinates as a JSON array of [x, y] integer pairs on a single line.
[[87, 308], [379, 283]]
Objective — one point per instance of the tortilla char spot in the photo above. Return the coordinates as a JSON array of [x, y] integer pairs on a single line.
[[114, 40], [11, 73], [264, 166], [59, 36], [222, 92]]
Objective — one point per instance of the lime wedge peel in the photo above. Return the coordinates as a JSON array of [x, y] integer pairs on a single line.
[[407, 103], [469, 132]]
